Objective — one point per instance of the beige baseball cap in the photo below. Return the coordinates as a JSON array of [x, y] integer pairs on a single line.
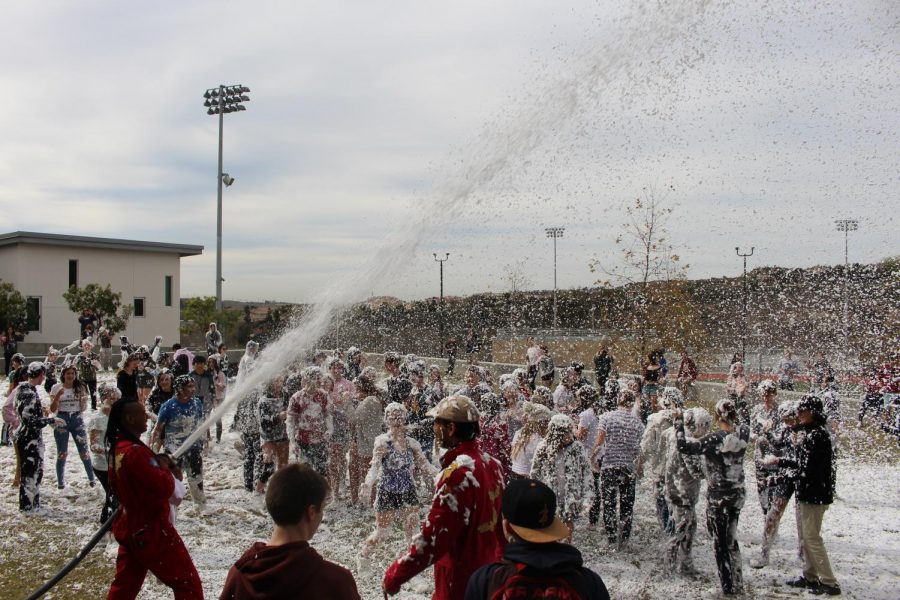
[[458, 409]]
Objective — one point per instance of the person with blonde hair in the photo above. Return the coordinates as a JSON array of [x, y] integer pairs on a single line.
[[528, 438], [397, 462]]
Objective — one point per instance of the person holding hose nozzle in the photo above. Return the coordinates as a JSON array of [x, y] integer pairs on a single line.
[[143, 483]]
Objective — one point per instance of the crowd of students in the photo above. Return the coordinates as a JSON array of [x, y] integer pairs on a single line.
[[577, 448]]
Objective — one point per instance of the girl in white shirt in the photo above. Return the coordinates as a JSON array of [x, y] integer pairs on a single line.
[[526, 440], [68, 399]]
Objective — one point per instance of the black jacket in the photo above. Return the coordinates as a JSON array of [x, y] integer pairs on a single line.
[[813, 469], [554, 559]]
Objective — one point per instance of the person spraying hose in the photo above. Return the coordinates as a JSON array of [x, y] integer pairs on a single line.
[[143, 483]]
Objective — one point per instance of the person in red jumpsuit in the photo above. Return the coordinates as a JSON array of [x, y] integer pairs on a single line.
[[143, 483], [463, 529]]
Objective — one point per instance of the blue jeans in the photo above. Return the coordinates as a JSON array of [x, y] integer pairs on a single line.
[[74, 425]]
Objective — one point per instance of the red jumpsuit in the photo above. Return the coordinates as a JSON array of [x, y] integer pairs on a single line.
[[463, 529], [147, 539]]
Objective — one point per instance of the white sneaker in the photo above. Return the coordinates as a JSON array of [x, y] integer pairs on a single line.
[[760, 561]]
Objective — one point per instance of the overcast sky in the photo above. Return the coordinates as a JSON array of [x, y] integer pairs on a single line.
[[494, 119]]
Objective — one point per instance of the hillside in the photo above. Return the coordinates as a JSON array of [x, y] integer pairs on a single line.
[[799, 308]]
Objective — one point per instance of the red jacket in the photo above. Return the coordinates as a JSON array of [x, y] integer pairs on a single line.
[[143, 488], [463, 529], [495, 441]]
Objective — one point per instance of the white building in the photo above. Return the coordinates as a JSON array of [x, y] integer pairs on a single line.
[[42, 266]]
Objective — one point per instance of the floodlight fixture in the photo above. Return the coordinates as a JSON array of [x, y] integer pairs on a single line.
[[220, 101]]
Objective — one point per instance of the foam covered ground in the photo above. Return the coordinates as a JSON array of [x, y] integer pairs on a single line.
[[861, 532]]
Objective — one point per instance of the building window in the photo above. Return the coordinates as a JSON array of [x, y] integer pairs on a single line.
[[73, 273], [33, 312], [138, 307], [168, 291]]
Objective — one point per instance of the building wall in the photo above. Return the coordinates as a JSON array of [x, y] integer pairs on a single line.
[[43, 271]]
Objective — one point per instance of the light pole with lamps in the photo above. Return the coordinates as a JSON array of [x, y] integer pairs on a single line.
[[441, 261], [219, 101], [846, 225], [744, 316], [554, 232]]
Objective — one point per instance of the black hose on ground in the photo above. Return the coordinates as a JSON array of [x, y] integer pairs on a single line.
[[76, 559]]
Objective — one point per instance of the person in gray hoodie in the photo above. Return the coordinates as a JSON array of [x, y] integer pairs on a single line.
[[652, 460], [682, 473]]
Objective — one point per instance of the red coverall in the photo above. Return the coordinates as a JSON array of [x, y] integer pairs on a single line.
[[147, 539], [463, 530]]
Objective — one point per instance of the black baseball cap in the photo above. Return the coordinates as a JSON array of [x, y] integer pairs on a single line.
[[530, 508], [811, 403]]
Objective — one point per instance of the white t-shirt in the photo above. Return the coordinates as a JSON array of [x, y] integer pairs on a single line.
[[175, 499], [588, 420], [533, 355], [563, 398], [521, 462], [68, 402], [99, 423]]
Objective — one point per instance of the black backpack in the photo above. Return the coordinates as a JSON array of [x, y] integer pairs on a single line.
[[518, 581]]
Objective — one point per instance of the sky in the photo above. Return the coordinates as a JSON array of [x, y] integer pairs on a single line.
[[400, 129]]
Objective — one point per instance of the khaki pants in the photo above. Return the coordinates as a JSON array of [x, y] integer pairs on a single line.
[[815, 557]]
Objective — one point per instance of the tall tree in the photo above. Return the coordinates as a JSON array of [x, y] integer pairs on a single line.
[[104, 302]]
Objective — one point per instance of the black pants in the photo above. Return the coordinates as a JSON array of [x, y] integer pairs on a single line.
[[662, 509], [617, 482], [92, 386], [191, 463], [722, 521], [31, 451], [532, 375], [109, 502], [596, 502], [873, 402], [254, 468], [451, 363], [317, 456], [7, 362]]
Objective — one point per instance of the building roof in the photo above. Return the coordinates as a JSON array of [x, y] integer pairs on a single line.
[[80, 241]]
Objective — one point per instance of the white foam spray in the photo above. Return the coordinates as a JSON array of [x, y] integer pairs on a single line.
[[654, 33]]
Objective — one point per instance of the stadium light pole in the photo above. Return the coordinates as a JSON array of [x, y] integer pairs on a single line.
[[555, 233], [441, 261], [744, 325], [846, 225], [220, 101]]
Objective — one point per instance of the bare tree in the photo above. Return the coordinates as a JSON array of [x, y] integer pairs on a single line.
[[651, 271], [514, 275]]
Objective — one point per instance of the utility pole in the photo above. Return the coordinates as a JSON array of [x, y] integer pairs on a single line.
[[554, 232], [219, 101], [846, 225], [441, 261], [744, 323]]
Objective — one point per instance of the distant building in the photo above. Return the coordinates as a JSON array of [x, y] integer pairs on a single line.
[[42, 266]]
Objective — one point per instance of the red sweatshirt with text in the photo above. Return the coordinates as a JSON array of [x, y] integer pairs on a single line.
[[463, 529]]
